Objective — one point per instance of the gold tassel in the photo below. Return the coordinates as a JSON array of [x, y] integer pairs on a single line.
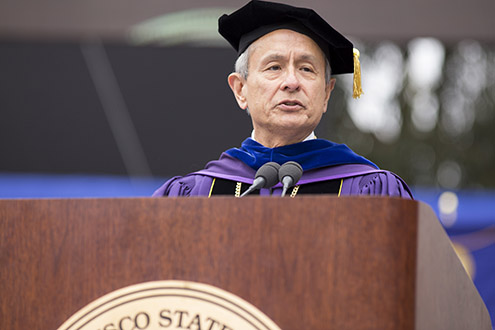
[[357, 90]]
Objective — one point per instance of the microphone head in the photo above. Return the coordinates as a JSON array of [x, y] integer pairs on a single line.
[[292, 170], [269, 171]]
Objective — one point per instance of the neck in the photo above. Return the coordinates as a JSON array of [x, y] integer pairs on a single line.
[[279, 141]]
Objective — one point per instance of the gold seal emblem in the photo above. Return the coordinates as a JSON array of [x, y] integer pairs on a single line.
[[169, 305]]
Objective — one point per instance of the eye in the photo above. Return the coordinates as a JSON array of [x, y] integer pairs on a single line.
[[307, 69], [274, 67]]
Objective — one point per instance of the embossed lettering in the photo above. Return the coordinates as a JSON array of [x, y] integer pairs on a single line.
[[213, 322], [179, 324], [180, 319], [195, 321], [145, 321], [121, 325], [166, 316], [141, 321], [107, 327]]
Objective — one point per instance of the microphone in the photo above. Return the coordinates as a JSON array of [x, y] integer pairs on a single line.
[[289, 173], [266, 177]]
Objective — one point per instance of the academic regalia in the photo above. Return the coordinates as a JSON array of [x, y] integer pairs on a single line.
[[328, 168]]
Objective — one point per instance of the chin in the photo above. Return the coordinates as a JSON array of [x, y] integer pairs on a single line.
[[294, 128], [294, 122]]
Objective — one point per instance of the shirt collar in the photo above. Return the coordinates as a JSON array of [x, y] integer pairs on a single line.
[[311, 136]]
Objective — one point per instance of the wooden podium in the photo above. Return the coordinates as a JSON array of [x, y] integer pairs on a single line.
[[312, 262]]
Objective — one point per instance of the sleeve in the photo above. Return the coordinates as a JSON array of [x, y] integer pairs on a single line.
[[173, 188], [185, 186], [381, 183]]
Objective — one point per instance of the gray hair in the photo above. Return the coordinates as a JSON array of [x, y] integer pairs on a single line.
[[242, 66]]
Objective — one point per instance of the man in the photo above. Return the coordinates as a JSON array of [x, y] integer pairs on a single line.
[[283, 80]]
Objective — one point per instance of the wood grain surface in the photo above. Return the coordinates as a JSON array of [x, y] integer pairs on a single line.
[[314, 262]]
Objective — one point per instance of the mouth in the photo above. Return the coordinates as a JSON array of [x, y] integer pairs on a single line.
[[290, 105]]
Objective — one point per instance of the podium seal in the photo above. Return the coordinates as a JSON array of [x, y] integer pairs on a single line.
[[169, 305]]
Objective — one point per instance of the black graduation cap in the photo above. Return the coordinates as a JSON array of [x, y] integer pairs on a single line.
[[257, 18]]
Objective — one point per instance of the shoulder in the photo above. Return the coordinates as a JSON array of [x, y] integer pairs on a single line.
[[377, 183], [359, 179], [189, 185], [199, 183]]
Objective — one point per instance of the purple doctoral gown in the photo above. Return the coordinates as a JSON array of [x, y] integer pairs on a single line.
[[357, 179]]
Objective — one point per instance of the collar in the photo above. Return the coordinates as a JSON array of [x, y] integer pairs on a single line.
[[311, 136], [311, 154]]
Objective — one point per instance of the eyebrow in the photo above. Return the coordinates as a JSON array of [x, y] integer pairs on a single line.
[[273, 57], [309, 58], [278, 57]]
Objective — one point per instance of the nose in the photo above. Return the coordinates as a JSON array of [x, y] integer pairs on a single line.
[[291, 81]]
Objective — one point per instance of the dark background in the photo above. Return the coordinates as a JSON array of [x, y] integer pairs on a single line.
[[53, 120]]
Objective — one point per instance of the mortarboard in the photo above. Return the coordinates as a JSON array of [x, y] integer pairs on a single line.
[[257, 18]]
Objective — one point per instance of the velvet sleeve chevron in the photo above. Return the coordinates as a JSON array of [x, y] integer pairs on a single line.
[[382, 183], [189, 185]]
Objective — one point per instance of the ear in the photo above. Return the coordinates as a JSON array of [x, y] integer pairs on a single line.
[[328, 91], [237, 84]]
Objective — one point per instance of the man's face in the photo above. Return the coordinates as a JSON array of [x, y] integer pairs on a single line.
[[285, 90]]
